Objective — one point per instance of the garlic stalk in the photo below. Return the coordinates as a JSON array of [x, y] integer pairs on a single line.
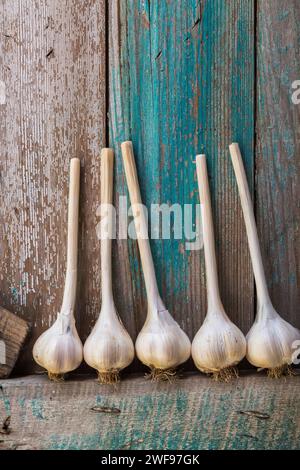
[[59, 349], [161, 344], [219, 345], [109, 348], [270, 340]]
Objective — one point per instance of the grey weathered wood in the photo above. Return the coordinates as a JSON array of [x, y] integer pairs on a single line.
[[194, 413], [13, 332], [52, 62], [277, 151]]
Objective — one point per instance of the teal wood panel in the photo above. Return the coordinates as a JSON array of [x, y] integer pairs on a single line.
[[278, 148], [181, 82]]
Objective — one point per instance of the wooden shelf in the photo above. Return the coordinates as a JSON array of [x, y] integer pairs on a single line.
[[193, 413]]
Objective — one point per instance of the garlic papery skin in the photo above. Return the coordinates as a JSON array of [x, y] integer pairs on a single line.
[[161, 344], [219, 345], [59, 349], [109, 348], [270, 340]]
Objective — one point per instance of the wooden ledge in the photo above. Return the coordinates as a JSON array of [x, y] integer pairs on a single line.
[[252, 412]]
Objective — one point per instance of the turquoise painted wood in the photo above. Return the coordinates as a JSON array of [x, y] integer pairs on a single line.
[[181, 82]]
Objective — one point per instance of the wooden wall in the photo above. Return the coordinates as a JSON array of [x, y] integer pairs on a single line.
[[178, 78]]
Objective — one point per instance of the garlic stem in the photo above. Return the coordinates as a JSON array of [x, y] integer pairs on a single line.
[[212, 283], [69, 297], [107, 161], [254, 247]]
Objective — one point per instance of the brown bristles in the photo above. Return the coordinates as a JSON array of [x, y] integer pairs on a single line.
[[56, 377], [282, 371], [162, 375], [109, 378], [225, 375]]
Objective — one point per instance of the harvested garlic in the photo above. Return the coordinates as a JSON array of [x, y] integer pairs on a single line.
[[109, 348], [219, 345], [161, 344], [270, 340], [59, 349]]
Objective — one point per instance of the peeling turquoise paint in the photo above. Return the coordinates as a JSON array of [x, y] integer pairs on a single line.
[[15, 294], [283, 15], [74, 442], [292, 279], [22, 402], [6, 403], [37, 408]]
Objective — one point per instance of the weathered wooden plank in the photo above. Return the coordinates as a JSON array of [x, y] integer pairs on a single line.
[[13, 332], [52, 70], [277, 151], [195, 413], [182, 82]]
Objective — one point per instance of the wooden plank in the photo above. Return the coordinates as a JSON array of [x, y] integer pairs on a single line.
[[277, 151], [13, 332], [52, 70], [195, 413], [182, 82]]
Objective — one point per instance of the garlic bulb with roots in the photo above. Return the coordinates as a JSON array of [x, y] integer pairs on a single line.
[[219, 345], [271, 341], [161, 344], [109, 348], [59, 349]]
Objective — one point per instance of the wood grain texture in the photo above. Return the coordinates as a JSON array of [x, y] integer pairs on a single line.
[[195, 413], [13, 332], [277, 151], [52, 63], [181, 78]]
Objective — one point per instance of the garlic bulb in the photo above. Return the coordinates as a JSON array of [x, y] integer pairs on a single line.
[[219, 345], [109, 347], [270, 340], [161, 344], [59, 349]]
